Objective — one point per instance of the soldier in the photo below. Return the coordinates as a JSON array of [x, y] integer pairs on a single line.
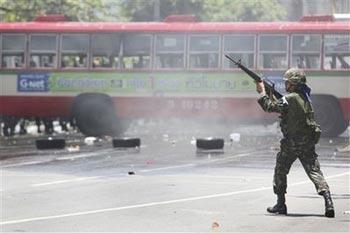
[[300, 135]]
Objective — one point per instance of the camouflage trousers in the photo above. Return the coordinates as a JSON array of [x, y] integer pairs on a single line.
[[308, 158]]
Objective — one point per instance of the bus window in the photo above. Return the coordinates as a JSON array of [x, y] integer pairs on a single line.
[[105, 50], [43, 51], [306, 50], [136, 51], [239, 47], [170, 51], [273, 52], [75, 49], [336, 52], [204, 51], [13, 47]]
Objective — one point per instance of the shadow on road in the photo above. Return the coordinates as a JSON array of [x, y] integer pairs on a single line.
[[296, 215], [341, 196], [305, 215]]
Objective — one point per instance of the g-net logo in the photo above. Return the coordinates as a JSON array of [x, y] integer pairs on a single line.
[[33, 82]]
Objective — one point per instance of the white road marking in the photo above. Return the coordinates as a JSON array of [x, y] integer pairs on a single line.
[[328, 177], [73, 156], [167, 168], [65, 181], [143, 170], [62, 158], [26, 163], [227, 158], [154, 203], [196, 164], [132, 206], [216, 177], [84, 155], [334, 165]]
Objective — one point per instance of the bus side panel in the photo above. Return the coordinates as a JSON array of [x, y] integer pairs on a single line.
[[28, 94], [345, 105], [190, 107], [35, 106]]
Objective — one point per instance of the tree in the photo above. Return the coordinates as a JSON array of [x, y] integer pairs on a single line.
[[141, 10], [76, 10], [243, 10], [207, 10]]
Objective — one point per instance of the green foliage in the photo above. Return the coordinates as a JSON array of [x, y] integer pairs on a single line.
[[243, 10], [207, 10], [76, 10], [143, 10]]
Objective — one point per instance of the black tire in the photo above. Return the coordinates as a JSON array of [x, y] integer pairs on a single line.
[[210, 143], [95, 115], [329, 115], [45, 144], [126, 142]]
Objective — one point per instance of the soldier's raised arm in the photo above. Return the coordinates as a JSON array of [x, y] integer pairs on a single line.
[[268, 104]]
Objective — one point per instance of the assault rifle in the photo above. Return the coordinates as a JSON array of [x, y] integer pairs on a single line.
[[269, 86]]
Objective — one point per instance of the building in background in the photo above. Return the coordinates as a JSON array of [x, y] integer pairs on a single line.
[[298, 8]]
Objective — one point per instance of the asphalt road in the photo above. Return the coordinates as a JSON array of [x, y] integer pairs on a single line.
[[173, 187]]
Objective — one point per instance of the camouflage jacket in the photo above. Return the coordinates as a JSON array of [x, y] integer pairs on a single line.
[[296, 118]]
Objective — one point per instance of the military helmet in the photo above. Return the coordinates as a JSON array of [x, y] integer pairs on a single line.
[[295, 76]]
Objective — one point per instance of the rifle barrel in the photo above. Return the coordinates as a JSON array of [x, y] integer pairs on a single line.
[[256, 77]]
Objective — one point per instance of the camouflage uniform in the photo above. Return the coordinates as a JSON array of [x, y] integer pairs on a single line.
[[299, 139], [300, 134]]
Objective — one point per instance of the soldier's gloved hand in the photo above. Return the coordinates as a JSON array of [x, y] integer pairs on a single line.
[[260, 88]]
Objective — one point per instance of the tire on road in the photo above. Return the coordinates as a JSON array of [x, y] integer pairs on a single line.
[[95, 115], [210, 143], [329, 115], [45, 144], [126, 142]]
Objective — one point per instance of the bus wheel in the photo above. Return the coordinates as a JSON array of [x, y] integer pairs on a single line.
[[329, 115], [95, 115]]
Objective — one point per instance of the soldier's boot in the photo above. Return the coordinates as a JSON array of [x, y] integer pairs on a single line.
[[280, 207], [329, 212]]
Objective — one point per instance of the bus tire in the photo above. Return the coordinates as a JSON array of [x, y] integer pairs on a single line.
[[95, 115], [210, 143], [329, 115], [126, 142], [45, 144]]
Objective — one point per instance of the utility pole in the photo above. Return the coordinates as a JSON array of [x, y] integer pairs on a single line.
[[333, 7], [156, 10]]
